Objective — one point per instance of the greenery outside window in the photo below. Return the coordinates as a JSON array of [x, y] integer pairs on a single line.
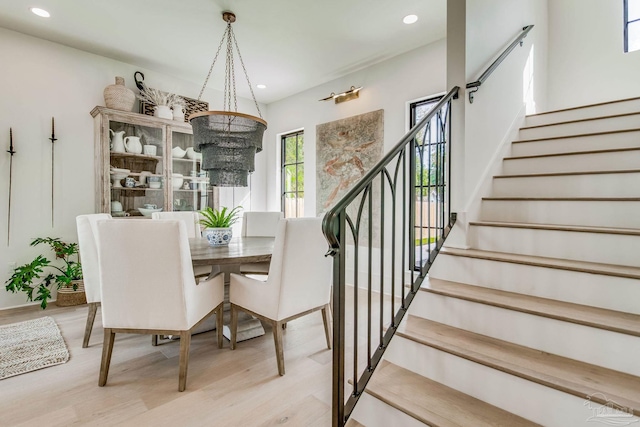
[[631, 25], [292, 182]]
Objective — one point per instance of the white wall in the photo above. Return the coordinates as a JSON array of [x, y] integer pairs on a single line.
[[387, 85], [587, 63], [38, 80], [516, 87], [491, 27]]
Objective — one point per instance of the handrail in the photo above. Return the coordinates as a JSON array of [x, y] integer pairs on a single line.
[[484, 76], [398, 224], [331, 215]]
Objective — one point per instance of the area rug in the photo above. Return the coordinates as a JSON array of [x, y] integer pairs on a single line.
[[31, 345]]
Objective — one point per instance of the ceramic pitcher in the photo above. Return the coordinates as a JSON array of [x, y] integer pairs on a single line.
[[117, 141], [133, 144]]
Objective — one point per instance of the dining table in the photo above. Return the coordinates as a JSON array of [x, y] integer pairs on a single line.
[[227, 259]]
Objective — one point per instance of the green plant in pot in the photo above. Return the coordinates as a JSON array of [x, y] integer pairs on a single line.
[[37, 278], [218, 224]]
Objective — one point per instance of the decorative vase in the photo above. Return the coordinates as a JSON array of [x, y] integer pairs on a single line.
[[178, 113], [218, 236], [118, 96], [163, 112], [68, 297]]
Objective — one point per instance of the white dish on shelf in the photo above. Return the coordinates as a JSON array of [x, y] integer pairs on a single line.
[[176, 180], [191, 154], [177, 153], [117, 175], [148, 212]]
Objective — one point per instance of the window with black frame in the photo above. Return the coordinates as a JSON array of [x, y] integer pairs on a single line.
[[430, 176], [631, 25], [292, 174]]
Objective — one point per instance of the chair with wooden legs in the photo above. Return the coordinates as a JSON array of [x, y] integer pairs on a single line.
[[299, 282], [148, 286], [192, 221], [89, 259], [259, 224]]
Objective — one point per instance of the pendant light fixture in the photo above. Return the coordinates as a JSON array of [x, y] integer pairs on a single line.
[[228, 140]]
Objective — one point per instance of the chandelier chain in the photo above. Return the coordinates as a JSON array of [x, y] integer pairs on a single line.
[[246, 74], [215, 58], [230, 77], [228, 70]]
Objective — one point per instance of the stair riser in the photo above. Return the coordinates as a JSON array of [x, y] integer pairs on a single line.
[[372, 412], [608, 292], [591, 345], [582, 143], [593, 185], [585, 113], [577, 128], [592, 247], [618, 160], [490, 385], [587, 213]]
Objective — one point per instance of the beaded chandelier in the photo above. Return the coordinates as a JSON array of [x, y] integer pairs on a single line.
[[228, 140]]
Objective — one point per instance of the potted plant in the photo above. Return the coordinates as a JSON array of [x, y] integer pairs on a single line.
[[217, 224], [163, 101], [67, 278]]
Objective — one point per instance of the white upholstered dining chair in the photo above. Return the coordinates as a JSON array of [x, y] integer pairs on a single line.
[[259, 224], [192, 220], [86, 225], [148, 286], [299, 282]]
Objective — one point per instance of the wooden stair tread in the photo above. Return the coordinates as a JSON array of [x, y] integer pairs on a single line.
[[539, 175], [574, 153], [554, 227], [561, 373], [616, 321], [579, 107], [575, 136], [433, 403], [562, 264], [588, 119]]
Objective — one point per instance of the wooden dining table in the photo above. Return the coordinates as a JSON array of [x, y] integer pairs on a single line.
[[226, 260], [241, 250]]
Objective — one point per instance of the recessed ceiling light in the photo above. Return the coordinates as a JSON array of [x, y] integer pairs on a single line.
[[261, 86], [40, 12], [410, 19]]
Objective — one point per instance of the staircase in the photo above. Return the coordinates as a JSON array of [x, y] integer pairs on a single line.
[[538, 323]]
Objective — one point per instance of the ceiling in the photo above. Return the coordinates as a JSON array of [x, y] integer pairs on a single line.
[[288, 45]]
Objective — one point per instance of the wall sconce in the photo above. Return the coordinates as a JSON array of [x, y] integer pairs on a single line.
[[352, 93]]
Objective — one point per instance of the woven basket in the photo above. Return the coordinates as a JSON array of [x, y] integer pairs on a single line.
[[118, 96], [68, 297], [191, 106]]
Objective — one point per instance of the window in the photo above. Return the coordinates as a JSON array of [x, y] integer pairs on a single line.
[[631, 25], [430, 184], [292, 187]]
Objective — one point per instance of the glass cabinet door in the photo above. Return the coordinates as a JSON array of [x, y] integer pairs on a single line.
[[136, 157], [191, 189]]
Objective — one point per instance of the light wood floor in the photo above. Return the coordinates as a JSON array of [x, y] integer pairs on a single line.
[[224, 388]]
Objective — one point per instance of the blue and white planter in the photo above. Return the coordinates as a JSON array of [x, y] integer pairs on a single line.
[[218, 236]]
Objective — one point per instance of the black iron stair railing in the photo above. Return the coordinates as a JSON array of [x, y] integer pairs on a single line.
[[383, 236]]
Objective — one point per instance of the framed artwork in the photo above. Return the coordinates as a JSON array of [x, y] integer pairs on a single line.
[[346, 149]]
